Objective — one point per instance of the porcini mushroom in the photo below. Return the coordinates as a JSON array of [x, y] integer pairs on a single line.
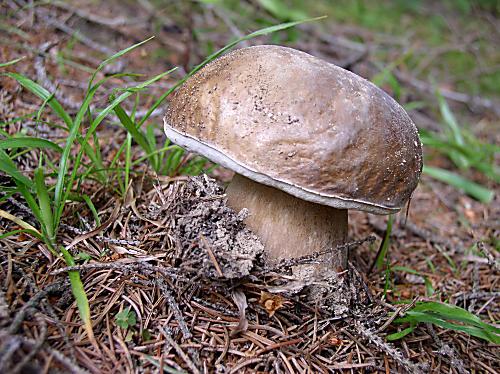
[[307, 140]]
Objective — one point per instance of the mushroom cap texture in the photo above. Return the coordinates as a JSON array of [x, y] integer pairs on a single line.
[[289, 120]]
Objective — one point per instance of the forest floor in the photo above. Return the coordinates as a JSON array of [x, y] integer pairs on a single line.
[[157, 248]]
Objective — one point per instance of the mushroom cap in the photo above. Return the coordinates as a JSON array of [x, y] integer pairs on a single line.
[[289, 120]]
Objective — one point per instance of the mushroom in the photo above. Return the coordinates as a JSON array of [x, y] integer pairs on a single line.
[[307, 140]]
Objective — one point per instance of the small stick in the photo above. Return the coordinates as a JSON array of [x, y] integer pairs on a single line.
[[241, 365], [211, 255], [307, 259], [494, 263], [180, 352], [172, 303], [278, 345], [387, 348]]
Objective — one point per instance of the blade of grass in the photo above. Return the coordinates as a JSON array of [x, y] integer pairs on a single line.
[[159, 150], [44, 204], [92, 208], [128, 157], [401, 334], [29, 142], [379, 262], [455, 130], [43, 94], [445, 315], [20, 222], [36, 234], [136, 133], [116, 56], [449, 119], [82, 301], [455, 313], [475, 190], [11, 62], [471, 330]]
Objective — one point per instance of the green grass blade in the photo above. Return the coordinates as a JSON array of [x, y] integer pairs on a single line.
[[445, 315], [449, 119], [29, 142], [154, 158], [116, 56], [43, 94], [20, 231], [281, 10], [128, 157], [11, 62], [44, 204], [155, 152], [455, 313], [35, 209], [405, 269], [473, 189], [436, 320], [136, 133], [173, 161], [453, 126], [78, 291], [379, 262], [401, 334], [92, 208], [10, 168]]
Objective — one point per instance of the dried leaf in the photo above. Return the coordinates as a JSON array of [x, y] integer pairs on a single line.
[[335, 341], [240, 300], [270, 302]]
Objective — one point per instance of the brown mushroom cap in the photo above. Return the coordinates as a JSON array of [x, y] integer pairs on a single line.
[[294, 122]]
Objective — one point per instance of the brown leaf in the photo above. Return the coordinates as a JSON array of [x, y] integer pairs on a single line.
[[240, 300], [335, 341], [270, 302]]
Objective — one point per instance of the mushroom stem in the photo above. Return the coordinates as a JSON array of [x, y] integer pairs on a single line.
[[288, 226]]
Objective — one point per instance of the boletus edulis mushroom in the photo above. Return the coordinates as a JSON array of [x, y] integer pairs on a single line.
[[307, 140]]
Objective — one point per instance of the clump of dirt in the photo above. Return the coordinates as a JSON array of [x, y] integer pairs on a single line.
[[204, 227]]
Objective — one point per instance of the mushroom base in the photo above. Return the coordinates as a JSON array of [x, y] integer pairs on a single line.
[[288, 226]]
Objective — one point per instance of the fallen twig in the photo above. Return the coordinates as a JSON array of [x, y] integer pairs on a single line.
[[387, 348], [492, 261], [179, 351]]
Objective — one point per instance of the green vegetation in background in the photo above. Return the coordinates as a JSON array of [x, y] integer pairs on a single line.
[[454, 142], [465, 151], [414, 23]]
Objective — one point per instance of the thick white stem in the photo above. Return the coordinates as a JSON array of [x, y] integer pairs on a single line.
[[288, 226]]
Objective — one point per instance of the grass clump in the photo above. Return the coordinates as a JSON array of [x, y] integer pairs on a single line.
[[446, 316], [465, 151], [46, 201]]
